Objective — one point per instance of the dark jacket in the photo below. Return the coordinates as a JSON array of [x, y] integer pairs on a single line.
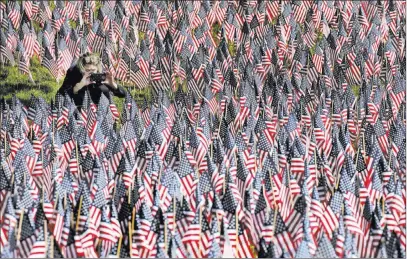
[[74, 76]]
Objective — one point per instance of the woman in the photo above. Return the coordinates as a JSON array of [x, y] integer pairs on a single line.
[[77, 81]]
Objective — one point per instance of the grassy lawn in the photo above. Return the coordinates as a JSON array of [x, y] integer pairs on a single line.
[[13, 82]]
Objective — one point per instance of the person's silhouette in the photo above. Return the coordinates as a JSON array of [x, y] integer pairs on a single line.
[[78, 80]]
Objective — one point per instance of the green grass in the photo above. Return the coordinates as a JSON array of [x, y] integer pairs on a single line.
[[319, 38], [141, 35], [98, 4], [215, 31], [72, 24], [232, 48], [52, 5], [355, 90], [13, 82]]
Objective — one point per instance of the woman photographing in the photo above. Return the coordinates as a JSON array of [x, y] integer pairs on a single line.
[[86, 76]]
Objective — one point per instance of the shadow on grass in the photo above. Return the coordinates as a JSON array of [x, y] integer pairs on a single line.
[[8, 89], [24, 91]]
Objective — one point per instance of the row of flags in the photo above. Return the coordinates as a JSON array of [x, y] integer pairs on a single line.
[[287, 138], [179, 42]]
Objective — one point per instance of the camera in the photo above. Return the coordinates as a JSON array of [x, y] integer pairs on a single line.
[[98, 77]]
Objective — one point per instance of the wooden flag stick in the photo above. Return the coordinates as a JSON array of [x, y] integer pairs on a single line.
[[337, 180], [52, 247], [79, 213], [133, 216], [130, 239], [129, 195], [56, 201], [46, 235], [20, 223], [383, 207], [119, 246], [131, 227]]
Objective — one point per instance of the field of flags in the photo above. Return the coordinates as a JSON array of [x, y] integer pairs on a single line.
[[284, 135]]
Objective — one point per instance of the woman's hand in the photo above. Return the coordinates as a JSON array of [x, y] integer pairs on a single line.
[[110, 81], [86, 78], [84, 82]]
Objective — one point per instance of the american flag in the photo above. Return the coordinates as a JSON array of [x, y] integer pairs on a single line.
[[64, 56], [99, 40], [50, 63], [14, 13], [23, 63], [5, 51]]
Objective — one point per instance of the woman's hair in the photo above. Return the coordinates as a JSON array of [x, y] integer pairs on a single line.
[[77, 70], [89, 59]]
